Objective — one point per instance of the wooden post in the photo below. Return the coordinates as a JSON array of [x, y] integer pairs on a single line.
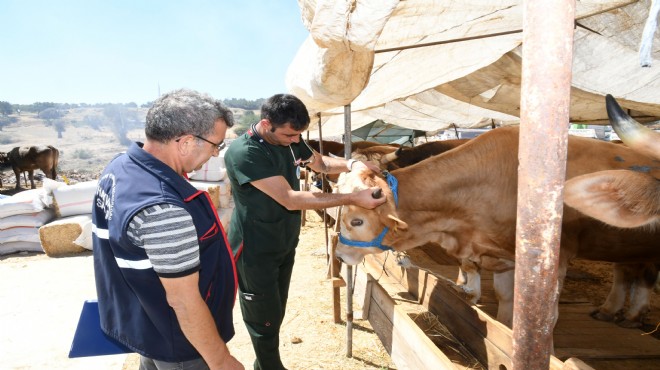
[[349, 268]]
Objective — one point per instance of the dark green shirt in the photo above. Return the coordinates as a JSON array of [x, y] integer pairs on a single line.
[[258, 219]]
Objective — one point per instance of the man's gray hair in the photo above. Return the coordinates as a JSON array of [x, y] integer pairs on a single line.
[[182, 112]]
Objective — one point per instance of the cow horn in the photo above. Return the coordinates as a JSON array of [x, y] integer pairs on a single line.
[[631, 132], [389, 157], [377, 193]]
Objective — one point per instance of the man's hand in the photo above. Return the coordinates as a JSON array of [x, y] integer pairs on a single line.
[[231, 363], [365, 198]]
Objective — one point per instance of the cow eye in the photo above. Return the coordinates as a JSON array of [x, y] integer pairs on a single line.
[[356, 222]]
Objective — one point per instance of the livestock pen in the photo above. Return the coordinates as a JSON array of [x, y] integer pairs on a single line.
[[386, 292]]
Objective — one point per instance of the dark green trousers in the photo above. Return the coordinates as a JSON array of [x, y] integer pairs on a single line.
[[263, 292]]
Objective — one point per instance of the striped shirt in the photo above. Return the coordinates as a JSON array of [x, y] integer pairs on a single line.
[[168, 236]]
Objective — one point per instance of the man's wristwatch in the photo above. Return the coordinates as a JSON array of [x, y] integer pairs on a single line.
[[349, 163]]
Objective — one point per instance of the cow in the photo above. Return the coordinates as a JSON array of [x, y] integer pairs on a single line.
[[334, 148], [626, 199], [469, 209], [391, 159], [30, 158]]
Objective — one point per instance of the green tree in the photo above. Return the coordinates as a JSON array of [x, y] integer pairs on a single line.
[[5, 108], [244, 122], [58, 125], [94, 121], [119, 116], [50, 114]]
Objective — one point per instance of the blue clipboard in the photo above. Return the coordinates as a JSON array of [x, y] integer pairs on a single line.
[[89, 339]]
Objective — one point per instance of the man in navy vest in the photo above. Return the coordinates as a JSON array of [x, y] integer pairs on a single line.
[[165, 275]]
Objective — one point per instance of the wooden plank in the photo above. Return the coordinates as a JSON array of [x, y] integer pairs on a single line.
[[489, 340], [407, 345]]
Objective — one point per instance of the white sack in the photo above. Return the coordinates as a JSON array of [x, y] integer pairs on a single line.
[[212, 170], [19, 234], [25, 202], [27, 220], [75, 199], [14, 247]]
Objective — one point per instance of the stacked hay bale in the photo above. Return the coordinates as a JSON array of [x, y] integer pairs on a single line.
[[71, 231], [21, 215]]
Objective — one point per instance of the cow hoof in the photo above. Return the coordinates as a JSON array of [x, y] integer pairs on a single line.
[[602, 316]]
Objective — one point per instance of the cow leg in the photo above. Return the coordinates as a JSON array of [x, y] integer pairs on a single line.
[[31, 176], [503, 286], [469, 278], [617, 297], [640, 292], [18, 178]]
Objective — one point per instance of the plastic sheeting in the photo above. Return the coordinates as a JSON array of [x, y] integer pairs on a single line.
[[431, 64]]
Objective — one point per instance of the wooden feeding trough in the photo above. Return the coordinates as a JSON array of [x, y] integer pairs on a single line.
[[386, 291]]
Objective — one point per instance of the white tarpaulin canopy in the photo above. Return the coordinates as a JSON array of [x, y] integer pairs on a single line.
[[430, 64]]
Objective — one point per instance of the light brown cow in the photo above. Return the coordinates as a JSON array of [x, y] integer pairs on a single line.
[[30, 158], [469, 209]]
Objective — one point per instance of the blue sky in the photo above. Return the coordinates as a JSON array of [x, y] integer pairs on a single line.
[[120, 51]]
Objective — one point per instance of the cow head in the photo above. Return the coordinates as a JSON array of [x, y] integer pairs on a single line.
[[369, 227], [619, 197]]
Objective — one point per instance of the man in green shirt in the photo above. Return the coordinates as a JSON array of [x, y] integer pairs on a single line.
[[262, 166]]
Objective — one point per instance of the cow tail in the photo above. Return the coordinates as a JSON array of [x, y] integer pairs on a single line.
[[56, 158]]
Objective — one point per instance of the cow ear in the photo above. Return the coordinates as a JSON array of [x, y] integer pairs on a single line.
[[620, 198], [395, 224]]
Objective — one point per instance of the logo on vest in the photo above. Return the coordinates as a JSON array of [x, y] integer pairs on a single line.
[[104, 200]]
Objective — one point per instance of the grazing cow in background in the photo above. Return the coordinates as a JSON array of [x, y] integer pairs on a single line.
[[4, 162], [469, 208], [626, 199], [30, 158]]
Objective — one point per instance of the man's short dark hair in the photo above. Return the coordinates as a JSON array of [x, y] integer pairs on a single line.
[[281, 109]]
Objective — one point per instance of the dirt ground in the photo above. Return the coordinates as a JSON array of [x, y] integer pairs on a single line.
[[42, 298]]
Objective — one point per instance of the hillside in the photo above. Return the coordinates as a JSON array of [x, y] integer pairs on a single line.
[[84, 150]]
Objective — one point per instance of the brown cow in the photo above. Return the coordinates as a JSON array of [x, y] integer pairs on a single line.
[[391, 159], [24, 158], [470, 210], [626, 199], [337, 149]]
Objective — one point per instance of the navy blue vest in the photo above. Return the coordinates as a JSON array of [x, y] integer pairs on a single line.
[[132, 302]]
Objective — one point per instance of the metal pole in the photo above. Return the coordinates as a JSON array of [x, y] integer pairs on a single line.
[[349, 268], [544, 118]]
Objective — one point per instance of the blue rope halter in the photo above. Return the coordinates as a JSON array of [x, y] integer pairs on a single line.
[[377, 241]]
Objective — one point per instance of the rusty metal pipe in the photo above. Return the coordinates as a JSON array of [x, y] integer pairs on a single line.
[[548, 28]]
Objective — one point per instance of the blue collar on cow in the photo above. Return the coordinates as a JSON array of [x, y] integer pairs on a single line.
[[393, 183], [378, 241]]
